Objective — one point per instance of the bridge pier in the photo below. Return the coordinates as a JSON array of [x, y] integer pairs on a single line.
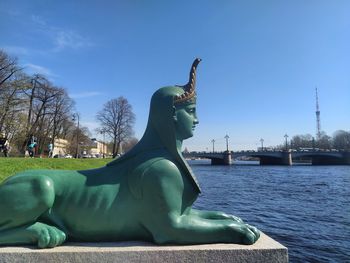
[[227, 160], [285, 159]]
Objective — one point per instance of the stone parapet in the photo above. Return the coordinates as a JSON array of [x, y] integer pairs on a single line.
[[264, 250]]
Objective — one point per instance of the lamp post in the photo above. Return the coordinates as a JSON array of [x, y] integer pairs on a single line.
[[262, 144], [226, 137], [286, 137], [213, 142], [76, 118], [103, 132]]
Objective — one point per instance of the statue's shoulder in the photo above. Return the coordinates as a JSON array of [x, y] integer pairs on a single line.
[[155, 159], [161, 167], [155, 166]]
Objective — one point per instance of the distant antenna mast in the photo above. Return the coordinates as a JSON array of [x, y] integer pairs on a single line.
[[318, 121]]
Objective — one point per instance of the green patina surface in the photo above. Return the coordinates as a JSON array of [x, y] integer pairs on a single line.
[[147, 194]]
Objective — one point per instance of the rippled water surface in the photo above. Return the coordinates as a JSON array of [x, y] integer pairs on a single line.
[[304, 207]]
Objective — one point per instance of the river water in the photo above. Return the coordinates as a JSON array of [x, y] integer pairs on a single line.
[[304, 207]]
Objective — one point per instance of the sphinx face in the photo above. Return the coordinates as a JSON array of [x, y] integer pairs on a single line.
[[185, 121]]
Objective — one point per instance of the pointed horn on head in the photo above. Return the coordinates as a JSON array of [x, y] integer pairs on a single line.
[[192, 77], [190, 87]]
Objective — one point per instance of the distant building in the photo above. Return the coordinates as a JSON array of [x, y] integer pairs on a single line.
[[92, 148], [61, 147], [98, 148]]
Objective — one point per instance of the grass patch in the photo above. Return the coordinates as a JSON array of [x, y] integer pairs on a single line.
[[11, 166]]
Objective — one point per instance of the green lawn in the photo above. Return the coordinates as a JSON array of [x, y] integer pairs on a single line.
[[10, 166]]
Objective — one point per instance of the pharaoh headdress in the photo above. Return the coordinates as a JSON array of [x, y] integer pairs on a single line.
[[160, 134]]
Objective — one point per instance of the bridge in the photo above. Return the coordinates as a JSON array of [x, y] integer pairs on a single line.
[[318, 157]]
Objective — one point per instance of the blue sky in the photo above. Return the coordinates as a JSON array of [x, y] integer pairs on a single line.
[[261, 60]]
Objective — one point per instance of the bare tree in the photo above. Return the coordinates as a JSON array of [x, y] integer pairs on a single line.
[[8, 67], [341, 140], [302, 141], [83, 135], [117, 119], [61, 111], [11, 99], [129, 144], [11, 90], [31, 105], [39, 95], [324, 142], [55, 112]]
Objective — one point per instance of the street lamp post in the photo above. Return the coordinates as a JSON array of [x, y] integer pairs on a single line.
[[213, 142], [103, 132], [226, 137], [76, 117], [286, 137], [262, 144]]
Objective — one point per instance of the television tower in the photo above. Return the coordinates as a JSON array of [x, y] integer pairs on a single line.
[[318, 121]]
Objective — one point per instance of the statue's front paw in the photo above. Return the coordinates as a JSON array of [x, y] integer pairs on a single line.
[[222, 215], [250, 234], [236, 219], [47, 236]]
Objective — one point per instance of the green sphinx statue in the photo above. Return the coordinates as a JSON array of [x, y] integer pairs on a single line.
[[146, 194]]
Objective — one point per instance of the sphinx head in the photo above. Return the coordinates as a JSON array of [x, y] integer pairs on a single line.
[[185, 119], [173, 108], [172, 119]]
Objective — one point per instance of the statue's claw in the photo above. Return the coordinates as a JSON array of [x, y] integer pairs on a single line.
[[47, 236], [236, 219], [249, 238], [254, 230], [251, 235], [244, 233]]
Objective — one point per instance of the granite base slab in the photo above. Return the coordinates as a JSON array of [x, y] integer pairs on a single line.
[[264, 250]]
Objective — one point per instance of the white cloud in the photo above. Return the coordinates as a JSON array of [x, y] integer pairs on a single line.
[[36, 69], [61, 38], [85, 94], [38, 21], [69, 39]]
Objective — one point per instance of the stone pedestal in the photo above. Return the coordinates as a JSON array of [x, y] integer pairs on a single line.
[[264, 250]]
